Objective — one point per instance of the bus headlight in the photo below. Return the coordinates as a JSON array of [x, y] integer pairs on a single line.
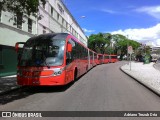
[[57, 71]]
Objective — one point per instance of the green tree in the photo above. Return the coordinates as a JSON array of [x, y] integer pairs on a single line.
[[23, 7], [111, 44], [121, 43], [99, 42]]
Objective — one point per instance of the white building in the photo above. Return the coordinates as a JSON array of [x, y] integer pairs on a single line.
[[155, 48], [55, 17]]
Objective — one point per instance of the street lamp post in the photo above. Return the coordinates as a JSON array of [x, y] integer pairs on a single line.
[[127, 50], [72, 24]]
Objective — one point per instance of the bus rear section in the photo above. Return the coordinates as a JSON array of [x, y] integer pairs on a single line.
[[49, 60], [113, 58], [106, 58], [100, 58], [95, 60]]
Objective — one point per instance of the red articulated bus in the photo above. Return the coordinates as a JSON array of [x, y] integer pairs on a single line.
[[106, 58], [95, 59], [52, 59], [100, 59], [113, 58], [92, 58]]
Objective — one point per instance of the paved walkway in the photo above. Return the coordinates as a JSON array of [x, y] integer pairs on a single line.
[[145, 74]]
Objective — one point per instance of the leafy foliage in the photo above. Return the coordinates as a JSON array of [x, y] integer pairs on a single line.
[[99, 42], [111, 44], [23, 7]]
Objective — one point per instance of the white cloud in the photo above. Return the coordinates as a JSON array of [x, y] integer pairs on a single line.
[[88, 31], [158, 41], [144, 35], [154, 11], [108, 11]]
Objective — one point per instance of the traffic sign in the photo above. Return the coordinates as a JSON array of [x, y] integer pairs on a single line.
[[130, 50]]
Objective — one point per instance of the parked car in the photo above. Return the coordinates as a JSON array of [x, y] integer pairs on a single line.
[[158, 60], [154, 60]]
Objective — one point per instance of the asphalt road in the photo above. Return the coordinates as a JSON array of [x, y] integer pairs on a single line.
[[104, 88]]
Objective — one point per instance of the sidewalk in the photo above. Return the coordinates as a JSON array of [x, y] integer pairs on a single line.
[[145, 74], [7, 84]]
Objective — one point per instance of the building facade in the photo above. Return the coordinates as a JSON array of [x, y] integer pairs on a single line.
[[155, 48], [54, 18]]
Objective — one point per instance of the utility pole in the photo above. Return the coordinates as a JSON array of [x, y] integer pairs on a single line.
[[130, 51], [70, 25]]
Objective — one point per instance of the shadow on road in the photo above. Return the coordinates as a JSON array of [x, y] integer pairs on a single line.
[[27, 91]]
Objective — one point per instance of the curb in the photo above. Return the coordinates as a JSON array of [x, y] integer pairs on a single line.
[[157, 92]]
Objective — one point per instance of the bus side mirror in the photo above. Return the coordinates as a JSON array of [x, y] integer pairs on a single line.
[[17, 46], [69, 47]]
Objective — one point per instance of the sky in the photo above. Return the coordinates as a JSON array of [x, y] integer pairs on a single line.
[[136, 19]]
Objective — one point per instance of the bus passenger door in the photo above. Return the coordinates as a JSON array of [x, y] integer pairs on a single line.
[[69, 65]]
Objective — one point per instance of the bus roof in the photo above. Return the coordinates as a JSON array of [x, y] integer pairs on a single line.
[[49, 36]]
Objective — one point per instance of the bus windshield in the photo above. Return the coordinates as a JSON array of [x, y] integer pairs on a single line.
[[43, 52]]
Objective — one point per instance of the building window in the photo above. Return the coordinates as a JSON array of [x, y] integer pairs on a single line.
[[44, 6], [70, 29], [44, 30], [51, 11], [19, 20], [57, 17], [66, 25], [0, 14], [1, 61], [62, 22], [29, 25], [60, 9]]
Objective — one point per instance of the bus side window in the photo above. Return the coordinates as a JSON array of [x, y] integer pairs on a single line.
[[71, 55], [68, 57]]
